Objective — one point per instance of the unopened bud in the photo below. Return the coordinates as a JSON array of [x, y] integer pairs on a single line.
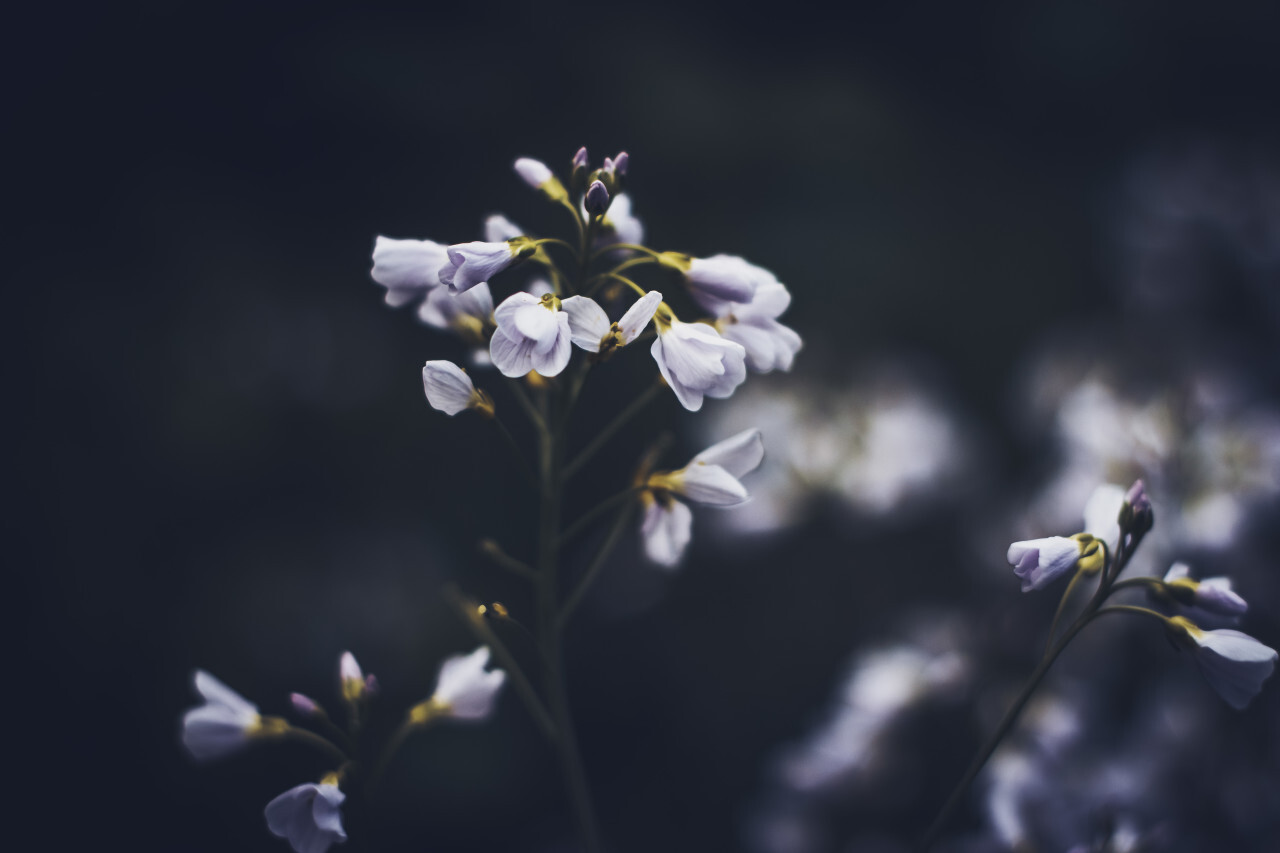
[[597, 199], [304, 705]]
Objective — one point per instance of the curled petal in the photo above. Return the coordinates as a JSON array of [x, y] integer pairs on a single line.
[[638, 316], [408, 269], [1040, 561], [709, 484], [449, 389], [666, 531], [588, 323], [739, 454]]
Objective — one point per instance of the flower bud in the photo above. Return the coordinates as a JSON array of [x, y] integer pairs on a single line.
[[597, 201]]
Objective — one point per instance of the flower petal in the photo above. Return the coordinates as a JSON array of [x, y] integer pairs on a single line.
[[738, 454]]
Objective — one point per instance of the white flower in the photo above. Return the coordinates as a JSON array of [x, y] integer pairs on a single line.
[[589, 326], [727, 278], [1102, 514], [535, 173], [1233, 663], [532, 334], [711, 478], [695, 361], [620, 226], [497, 229], [408, 269], [467, 313], [1040, 561], [464, 689], [450, 390], [769, 344], [308, 817], [469, 264], [223, 724], [1207, 600]]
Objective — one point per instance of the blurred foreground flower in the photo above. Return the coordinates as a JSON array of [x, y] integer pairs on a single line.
[[308, 816], [223, 724]]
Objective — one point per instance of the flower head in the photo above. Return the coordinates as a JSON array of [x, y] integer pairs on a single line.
[[465, 690], [695, 360], [467, 314], [1206, 600], [223, 724], [469, 264], [308, 816], [532, 334], [1039, 562], [1234, 664], [711, 478], [450, 390], [724, 278], [589, 326], [769, 344], [408, 269], [536, 174]]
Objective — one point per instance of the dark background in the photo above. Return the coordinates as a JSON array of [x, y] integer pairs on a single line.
[[222, 457]]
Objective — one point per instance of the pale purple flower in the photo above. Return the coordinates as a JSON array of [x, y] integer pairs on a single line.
[[1041, 561], [465, 690], [711, 478], [589, 325], [304, 705], [223, 724], [532, 334], [1102, 514], [1234, 664], [597, 199], [1206, 600], [620, 224], [696, 361], [580, 158], [724, 278], [450, 390], [308, 817], [769, 344], [469, 264], [466, 313], [408, 269]]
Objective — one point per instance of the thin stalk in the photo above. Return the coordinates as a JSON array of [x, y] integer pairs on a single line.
[[493, 551], [610, 542], [602, 437], [603, 277], [318, 741], [635, 247], [521, 462], [1129, 583], [1062, 606], [595, 512], [384, 761], [535, 417]]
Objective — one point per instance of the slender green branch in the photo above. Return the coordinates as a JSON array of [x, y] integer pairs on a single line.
[[1129, 608], [595, 512], [1130, 583], [521, 462], [606, 548], [535, 417], [556, 241], [1062, 606], [318, 741], [493, 551], [605, 276], [470, 612], [602, 438], [635, 247], [389, 752]]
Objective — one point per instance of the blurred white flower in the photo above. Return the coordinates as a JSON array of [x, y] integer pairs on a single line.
[[408, 269], [1038, 562], [620, 225], [308, 816], [450, 390], [532, 334], [533, 172], [1234, 664], [467, 314], [769, 344], [465, 690], [223, 724]]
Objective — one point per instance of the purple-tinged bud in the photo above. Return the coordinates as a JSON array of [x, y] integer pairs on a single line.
[[597, 201], [580, 159], [1136, 517], [578, 172], [351, 677], [620, 162], [371, 685], [304, 705]]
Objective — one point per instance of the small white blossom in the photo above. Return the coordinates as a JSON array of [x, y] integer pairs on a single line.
[[465, 690], [1234, 664], [467, 313], [1041, 561], [408, 269], [535, 173], [591, 330], [450, 390], [711, 478], [1206, 600], [696, 361], [223, 724], [469, 264], [1102, 514], [308, 817], [727, 278], [532, 334], [769, 344]]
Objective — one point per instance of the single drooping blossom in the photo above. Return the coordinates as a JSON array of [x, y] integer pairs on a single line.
[[711, 478], [450, 390], [466, 314], [724, 278], [1204, 601], [695, 360], [465, 690], [1102, 514], [1234, 664], [769, 344], [589, 325], [532, 334], [1039, 562], [408, 269], [308, 816], [223, 724], [473, 263]]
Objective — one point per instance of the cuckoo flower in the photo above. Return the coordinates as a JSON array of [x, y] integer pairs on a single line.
[[465, 690], [769, 344], [711, 478], [1234, 664], [1207, 600], [450, 390], [467, 314], [532, 334], [473, 263], [308, 816], [695, 360], [408, 269], [224, 723], [536, 174], [590, 328]]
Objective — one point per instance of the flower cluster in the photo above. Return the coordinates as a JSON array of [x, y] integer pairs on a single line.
[[309, 815], [534, 332]]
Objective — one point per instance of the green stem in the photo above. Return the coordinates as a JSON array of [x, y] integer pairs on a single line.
[[535, 417], [521, 462], [318, 741], [603, 277], [610, 542], [1129, 583], [1062, 606], [602, 437], [1129, 608], [635, 247], [595, 512], [493, 551], [388, 753]]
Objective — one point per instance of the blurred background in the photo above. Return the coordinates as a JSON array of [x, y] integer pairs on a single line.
[[1032, 247]]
